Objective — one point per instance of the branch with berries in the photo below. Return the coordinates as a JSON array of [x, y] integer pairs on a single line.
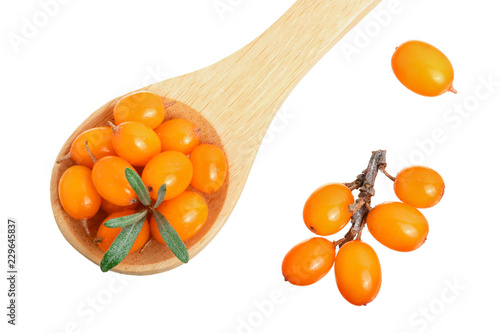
[[398, 225]]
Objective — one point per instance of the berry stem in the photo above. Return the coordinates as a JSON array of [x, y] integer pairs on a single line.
[[365, 184], [113, 126], [87, 148], [64, 158], [166, 106], [145, 245], [85, 226], [388, 175]]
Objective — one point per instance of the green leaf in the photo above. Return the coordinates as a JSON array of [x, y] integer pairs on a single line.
[[123, 221], [121, 246], [138, 186], [161, 195], [171, 237]]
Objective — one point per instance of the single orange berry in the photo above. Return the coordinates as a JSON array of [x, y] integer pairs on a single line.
[[142, 106], [106, 236], [326, 211], [99, 143], [186, 213], [171, 168], [308, 261], [135, 142], [77, 193], [358, 273], [209, 168], [419, 186], [179, 135], [108, 176], [423, 69], [398, 226], [110, 208]]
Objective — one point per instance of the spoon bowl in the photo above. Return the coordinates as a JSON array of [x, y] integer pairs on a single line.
[[233, 102]]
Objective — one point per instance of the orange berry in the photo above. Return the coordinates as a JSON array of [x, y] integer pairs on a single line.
[[136, 143], [186, 213], [99, 142], [358, 273], [419, 186], [179, 135], [142, 106], [423, 69], [171, 168], [108, 235], [209, 168], [108, 176], [308, 261], [398, 226], [110, 208], [77, 194], [326, 211]]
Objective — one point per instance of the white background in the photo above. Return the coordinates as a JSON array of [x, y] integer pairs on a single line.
[[348, 105]]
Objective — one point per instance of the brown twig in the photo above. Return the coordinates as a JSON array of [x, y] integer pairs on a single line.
[[356, 205], [365, 183], [357, 183]]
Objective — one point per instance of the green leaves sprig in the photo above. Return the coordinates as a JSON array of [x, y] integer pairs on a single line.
[[138, 186], [132, 225], [171, 237], [124, 221], [121, 246], [161, 195]]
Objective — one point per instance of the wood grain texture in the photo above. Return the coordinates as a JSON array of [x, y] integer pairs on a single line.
[[234, 102]]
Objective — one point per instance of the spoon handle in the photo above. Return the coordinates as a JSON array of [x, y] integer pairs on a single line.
[[275, 62], [241, 94]]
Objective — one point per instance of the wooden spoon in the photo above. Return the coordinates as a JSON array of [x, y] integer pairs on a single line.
[[233, 101]]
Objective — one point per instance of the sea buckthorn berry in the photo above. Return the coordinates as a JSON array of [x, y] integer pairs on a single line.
[[77, 193], [108, 176], [171, 168], [106, 236], [110, 208], [358, 273], [308, 261], [419, 186], [398, 226], [209, 168], [142, 106], [326, 211], [186, 213], [178, 134], [136, 143], [423, 69], [99, 143]]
